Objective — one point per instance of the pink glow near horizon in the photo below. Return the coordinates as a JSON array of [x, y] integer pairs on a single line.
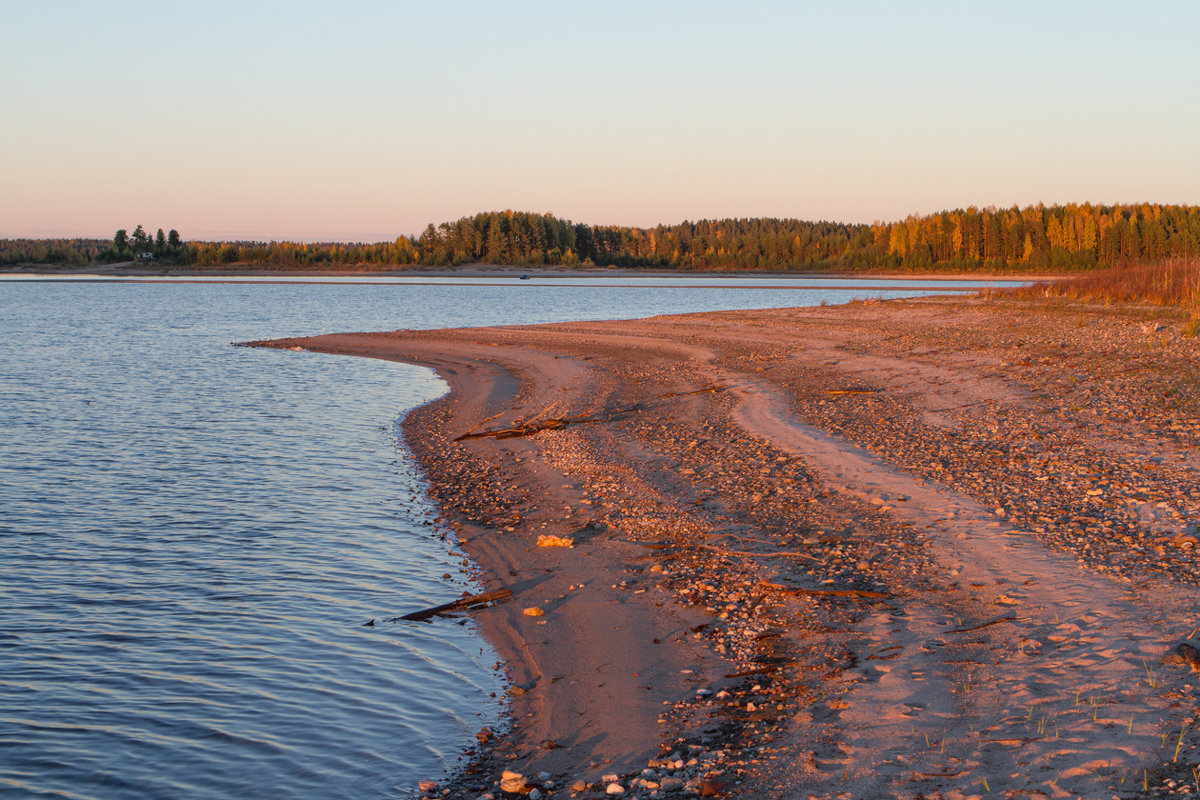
[[370, 123]]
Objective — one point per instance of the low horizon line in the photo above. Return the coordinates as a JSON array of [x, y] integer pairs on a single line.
[[377, 237]]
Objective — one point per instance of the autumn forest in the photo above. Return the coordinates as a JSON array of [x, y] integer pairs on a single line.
[[1032, 239]]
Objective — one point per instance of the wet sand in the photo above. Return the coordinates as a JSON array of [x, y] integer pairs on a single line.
[[930, 548]]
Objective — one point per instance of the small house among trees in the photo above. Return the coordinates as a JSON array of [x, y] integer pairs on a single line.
[[164, 248]]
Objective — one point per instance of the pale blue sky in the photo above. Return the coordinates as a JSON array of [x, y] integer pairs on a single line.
[[303, 120]]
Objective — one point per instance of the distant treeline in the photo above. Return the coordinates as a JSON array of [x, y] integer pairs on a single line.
[[57, 252], [1034, 239]]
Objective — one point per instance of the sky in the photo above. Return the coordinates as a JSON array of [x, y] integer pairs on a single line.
[[364, 121]]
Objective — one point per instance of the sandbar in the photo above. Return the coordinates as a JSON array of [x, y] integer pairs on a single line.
[[941, 547]]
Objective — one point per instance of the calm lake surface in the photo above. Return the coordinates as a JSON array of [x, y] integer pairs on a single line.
[[194, 534]]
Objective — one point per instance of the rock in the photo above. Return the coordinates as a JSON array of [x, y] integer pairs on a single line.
[[671, 784], [554, 541], [614, 789], [512, 781], [428, 787], [534, 611], [1183, 654], [579, 786], [535, 794]]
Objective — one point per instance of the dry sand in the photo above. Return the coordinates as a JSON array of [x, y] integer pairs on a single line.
[[928, 548]]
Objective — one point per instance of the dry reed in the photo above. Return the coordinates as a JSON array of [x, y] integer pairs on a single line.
[[1172, 283]]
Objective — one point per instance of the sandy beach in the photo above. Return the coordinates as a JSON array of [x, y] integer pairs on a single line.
[[928, 548]]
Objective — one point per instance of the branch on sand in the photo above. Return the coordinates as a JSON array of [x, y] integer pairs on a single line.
[[861, 594], [988, 624], [767, 670], [461, 604], [536, 423], [725, 551]]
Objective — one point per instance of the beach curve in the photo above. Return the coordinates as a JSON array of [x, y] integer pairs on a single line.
[[832, 507]]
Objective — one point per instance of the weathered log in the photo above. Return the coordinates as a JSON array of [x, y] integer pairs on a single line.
[[716, 387], [865, 594], [461, 604], [750, 554], [525, 428], [988, 624], [481, 424], [531, 426], [767, 670]]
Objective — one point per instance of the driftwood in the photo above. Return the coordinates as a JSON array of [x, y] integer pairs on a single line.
[[748, 554], [988, 624], [714, 389], [858, 593], [536, 423], [526, 428], [767, 670], [864, 594], [460, 604], [854, 391], [480, 425]]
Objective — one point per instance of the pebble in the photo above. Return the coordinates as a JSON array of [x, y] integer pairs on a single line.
[[1035, 462], [512, 781]]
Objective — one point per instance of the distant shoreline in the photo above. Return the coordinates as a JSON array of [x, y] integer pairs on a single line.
[[498, 271]]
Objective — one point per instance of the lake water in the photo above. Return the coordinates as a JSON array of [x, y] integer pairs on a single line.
[[194, 534]]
